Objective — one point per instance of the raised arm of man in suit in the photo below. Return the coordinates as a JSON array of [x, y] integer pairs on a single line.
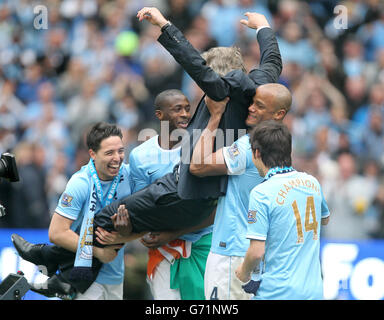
[[215, 86]]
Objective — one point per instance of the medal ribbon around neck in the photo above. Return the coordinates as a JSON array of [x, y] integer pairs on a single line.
[[84, 252], [97, 183]]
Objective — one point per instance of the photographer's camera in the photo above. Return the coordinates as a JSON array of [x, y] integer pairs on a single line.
[[8, 168]]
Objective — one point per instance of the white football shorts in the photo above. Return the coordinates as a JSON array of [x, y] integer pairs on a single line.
[[220, 281]]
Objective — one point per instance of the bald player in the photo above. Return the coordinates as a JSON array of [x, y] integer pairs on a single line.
[[229, 243]]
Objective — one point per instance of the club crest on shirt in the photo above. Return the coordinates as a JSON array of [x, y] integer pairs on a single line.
[[252, 216], [66, 200], [233, 151]]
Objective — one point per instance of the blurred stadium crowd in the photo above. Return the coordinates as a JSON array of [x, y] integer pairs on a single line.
[[96, 62]]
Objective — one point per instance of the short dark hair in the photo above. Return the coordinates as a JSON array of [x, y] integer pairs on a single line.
[[161, 100], [274, 142], [99, 132]]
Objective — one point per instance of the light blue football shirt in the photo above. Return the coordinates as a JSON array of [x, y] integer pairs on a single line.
[[74, 202], [230, 224], [286, 211], [149, 162]]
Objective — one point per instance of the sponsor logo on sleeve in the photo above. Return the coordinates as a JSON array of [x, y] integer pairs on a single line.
[[66, 200], [252, 216], [233, 151]]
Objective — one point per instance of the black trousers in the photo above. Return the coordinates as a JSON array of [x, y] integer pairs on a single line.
[[158, 208], [154, 208]]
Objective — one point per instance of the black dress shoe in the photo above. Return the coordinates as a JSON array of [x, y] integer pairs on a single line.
[[32, 253], [54, 287]]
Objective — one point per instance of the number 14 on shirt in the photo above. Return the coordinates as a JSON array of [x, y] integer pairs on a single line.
[[310, 211]]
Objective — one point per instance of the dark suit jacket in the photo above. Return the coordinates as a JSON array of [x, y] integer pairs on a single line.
[[236, 84]]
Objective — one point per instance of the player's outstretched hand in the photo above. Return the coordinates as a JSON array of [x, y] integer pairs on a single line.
[[255, 20], [153, 15], [121, 221], [107, 238]]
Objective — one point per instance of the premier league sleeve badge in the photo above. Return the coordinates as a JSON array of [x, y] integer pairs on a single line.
[[66, 200], [252, 216]]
